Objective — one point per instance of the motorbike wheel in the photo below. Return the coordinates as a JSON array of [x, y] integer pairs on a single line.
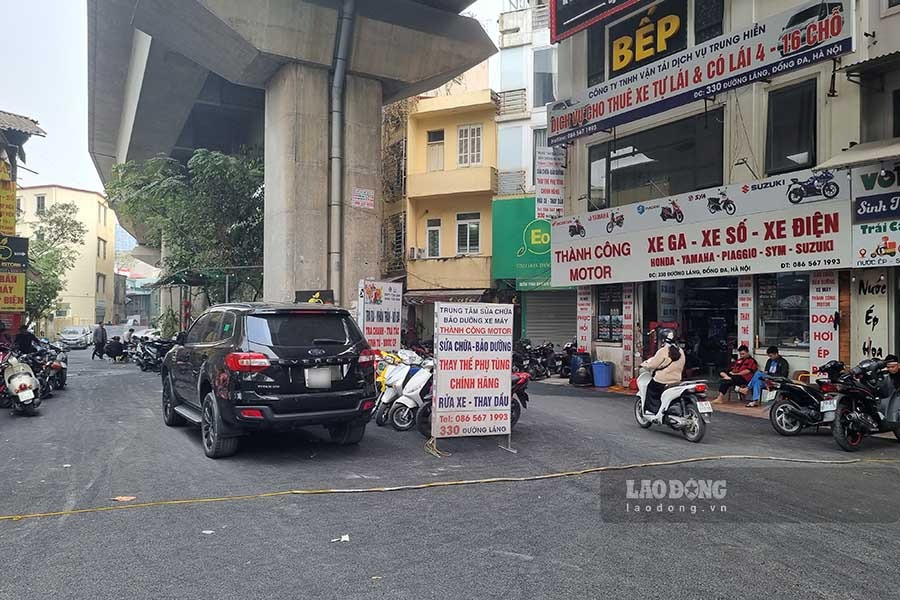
[[848, 440], [781, 419], [643, 421], [795, 195], [897, 434], [381, 415], [679, 217], [402, 417], [581, 231], [609, 227], [696, 428], [5, 400], [29, 410], [423, 420], [830, 190], [729, 208], [515, 411], [61, 379]]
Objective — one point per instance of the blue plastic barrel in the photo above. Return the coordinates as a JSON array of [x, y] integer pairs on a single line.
[[603, 373]]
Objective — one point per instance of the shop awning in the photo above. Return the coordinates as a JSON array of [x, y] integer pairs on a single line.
[[874, 66], [416, 297], [864, 154]]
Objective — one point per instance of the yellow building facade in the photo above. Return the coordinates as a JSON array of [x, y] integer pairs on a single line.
[[451, 181], [89, 293]]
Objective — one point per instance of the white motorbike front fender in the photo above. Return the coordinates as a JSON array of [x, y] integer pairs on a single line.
[[407, 402]]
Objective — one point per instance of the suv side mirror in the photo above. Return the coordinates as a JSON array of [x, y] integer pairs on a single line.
[[181, 338]]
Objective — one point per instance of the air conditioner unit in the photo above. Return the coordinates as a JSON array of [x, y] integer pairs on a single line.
[[416, 253]]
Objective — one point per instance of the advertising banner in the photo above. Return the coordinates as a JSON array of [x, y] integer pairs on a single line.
[[379, 312], [568, 17], [583, 315], [869, 315], [12, 292], [647, 36], [809, 33], [362, 198], [473, 369], [823, 326], [876, 216], [13, 253], [521, 244], [794, 222], [745, 312], [549, 182], [7, 201], [628, 331]]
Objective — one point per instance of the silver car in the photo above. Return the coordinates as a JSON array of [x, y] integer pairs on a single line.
[[77, 337]]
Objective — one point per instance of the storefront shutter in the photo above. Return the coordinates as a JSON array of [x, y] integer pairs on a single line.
[[550, 316]]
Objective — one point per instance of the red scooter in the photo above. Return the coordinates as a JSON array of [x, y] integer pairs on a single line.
[[672, 212], [519, 401]]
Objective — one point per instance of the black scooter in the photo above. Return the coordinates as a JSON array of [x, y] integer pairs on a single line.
[[867, 404], [796, 406]]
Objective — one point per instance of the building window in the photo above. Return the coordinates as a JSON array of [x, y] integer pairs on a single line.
[[783, 305], [469, 154], [708, 17], [670, 159], [897, 106], [433, 238], [468, 233], [509, 149], [512, 68], [791, 128], [101, 248], [99, 213], [609, 313], [544, 77], [101, 283], [540, 141], [18, 204], [435, 156], [596, 59], [40, 205], [105, 210]]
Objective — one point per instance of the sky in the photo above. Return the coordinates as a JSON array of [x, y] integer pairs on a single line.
[[46, 79]]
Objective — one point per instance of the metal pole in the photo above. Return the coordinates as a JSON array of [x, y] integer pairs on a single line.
[[227, 276]]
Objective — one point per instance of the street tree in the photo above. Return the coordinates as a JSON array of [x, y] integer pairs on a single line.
[[52, 252], [208, 214]]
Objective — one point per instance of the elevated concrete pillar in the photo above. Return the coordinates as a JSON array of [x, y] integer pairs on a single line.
[[296, 235]]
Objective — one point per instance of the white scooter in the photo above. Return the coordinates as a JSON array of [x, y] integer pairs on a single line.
[[416, 393], [395, 377], [683, 407], [21, 385]]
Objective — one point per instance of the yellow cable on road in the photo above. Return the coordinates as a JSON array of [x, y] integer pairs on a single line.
[[439, 484]]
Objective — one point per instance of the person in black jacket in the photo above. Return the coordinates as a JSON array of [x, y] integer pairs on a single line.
[[776, 366], [25, 340]]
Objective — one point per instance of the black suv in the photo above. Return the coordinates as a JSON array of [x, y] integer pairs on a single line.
[[244, 368]]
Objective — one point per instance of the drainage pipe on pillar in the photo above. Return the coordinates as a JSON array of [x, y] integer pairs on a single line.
[[336, 150]]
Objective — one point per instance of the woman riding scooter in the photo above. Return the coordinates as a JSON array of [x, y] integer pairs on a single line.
[[668, 363]]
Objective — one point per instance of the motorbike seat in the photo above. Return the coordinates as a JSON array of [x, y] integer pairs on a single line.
[[516, 379]]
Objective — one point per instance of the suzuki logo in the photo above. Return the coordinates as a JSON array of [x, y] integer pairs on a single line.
[[317, 351], [745, 188]]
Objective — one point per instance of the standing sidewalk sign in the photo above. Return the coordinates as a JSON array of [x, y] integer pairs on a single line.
[[628, 331], [583, 318], [379, 312], [549, 182], [745, 312], [823, 326], [473, 369], [812, 32]]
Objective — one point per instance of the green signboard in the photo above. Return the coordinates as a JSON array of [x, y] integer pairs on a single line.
[[521, 244]]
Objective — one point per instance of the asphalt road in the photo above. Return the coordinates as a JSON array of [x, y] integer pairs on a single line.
[[790, 531]]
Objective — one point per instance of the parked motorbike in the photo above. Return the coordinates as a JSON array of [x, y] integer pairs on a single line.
[[21, 384], [819, 184], [576, 228], [721, 202], [395, 374], [151, 353], [564, 358], [683, 407], [57, 364], [518, 401], [616, 219], [865, 404], [416, 392], [673, 211], [795, 405]]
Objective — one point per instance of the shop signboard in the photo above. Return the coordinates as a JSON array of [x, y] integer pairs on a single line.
[[647, 36], [549, 182], [362, 198], [628, 330], [795, 222], [7, 201], [568, 17], [876, 215], [745, 312], [869, 315], [473, 368], [12, 292], [812, 32], [823, 321], [13, 253], [379, 313], [521, 244], [583, 315]]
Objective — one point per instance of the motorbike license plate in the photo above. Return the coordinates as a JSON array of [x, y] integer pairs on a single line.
[[26, 395], [770, 395], [318, 378], [828, 405], [704, 406]]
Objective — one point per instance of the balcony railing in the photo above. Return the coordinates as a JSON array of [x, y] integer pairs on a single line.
[[540, 18], [511, 182], [513, 102]]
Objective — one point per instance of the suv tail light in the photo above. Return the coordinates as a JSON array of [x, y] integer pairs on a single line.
[[246, 362], [368, 357]]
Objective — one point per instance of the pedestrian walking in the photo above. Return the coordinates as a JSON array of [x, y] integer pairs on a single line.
[[99, 341]]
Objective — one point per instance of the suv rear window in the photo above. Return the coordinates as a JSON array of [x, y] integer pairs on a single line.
[[297, 329]]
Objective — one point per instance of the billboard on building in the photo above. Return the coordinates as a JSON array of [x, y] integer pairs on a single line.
[[379, 313], [812, 32], [647, 36], [568, 17], [876, 216], [521, 250], [12, 292], [13, 253], [7, 201], [549, 182], [794, 222]]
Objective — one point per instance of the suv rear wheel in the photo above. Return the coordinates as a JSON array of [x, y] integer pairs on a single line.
[[214, 445], [347, 434]]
